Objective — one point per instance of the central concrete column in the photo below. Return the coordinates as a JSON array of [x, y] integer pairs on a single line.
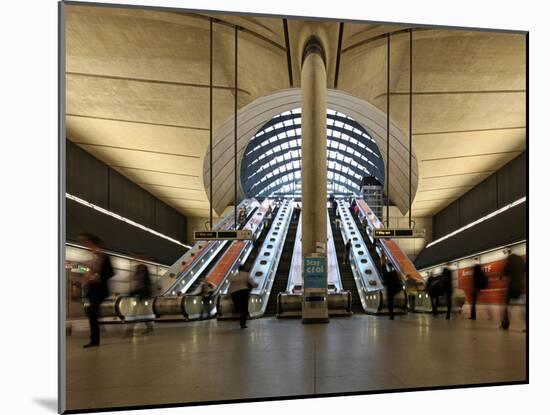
[[314, 176], [314, 147]]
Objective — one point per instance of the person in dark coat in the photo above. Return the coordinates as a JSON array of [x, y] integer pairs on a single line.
[[513, 270], [447, 282], [477, 286], [268, 218], [239, 289], [96, 283], [347, 251], [439, 286], [334, 206], [393, 285]]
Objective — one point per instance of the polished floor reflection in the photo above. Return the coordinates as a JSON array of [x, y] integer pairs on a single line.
[[211, 360]]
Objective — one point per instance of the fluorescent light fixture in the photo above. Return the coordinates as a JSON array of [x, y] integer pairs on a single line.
[[476, 222], [123, 219]]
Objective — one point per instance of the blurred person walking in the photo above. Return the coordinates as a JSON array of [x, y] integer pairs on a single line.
[[205, 291], [447, 282], [390, 279], [240, 287], [513, 270], [241, 217], [347, 251], [337, 223], [268, 217], [296, 212], [142, 288], [334, 206], [441, 286], [480, 282], [96, 283]]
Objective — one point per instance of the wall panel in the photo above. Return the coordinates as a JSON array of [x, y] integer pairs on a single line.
[[87, 177], [479, 201], [506, 185], [447, 220], [512, 180], [129, 200], [118, 236], [170, 222], [503, 229], [95, 182]]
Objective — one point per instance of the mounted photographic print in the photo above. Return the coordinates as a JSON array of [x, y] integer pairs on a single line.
[[264, 207]]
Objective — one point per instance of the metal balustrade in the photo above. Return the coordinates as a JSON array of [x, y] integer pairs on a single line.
[[289, 303], [199, 256], [367, 278], [264, 268], [195, 306]]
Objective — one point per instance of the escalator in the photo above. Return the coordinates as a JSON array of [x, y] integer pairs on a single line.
[[257, 244], [281, 278], [375, 255], [417, 298], [289, 302], [194, 287], [190, 304], [367, 278], [176, 280], [195, 305], [261, 265], [346, 274]]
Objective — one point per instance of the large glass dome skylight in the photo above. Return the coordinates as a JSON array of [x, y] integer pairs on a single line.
[[272, 160]]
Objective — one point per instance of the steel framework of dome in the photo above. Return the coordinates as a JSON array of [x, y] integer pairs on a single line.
[[272, 160]]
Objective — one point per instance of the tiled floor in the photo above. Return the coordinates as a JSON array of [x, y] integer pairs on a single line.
[[211, 360]]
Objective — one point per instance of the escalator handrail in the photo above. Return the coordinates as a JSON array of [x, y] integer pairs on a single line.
[[278, 244], [389, 246], [362, 278], [208, 245], [296, 261], [242, 249], [331, 252]]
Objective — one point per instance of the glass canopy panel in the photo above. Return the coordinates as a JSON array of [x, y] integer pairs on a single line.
[[272, 160]]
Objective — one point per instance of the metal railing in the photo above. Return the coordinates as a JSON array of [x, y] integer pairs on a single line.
[[198, 257], [367, 278], [195, 306], [264, 268]]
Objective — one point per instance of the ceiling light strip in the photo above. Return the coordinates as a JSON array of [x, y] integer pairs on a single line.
[[123, 219], [476, 222]]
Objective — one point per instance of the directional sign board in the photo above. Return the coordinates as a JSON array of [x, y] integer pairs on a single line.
[[383, 233], [206, 235], [240, 235]]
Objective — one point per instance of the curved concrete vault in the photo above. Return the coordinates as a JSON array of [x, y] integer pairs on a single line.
[[253, 117]]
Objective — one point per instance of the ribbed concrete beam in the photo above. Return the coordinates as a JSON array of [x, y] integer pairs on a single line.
[[253, 117]]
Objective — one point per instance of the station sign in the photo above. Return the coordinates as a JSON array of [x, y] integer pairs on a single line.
[[315, 272], [383, 233], [240, 235], [315, 298]]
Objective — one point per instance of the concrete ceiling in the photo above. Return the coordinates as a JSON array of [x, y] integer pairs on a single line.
[[138, 96]]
